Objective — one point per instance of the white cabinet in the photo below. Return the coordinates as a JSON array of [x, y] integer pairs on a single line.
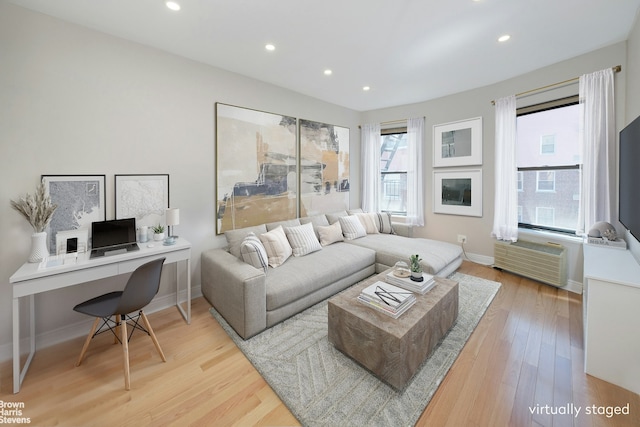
[[612, 316]]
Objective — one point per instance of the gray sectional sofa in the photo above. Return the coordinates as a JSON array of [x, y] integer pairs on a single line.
[[252, 297]]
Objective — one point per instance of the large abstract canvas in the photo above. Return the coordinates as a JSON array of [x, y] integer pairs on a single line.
[[256, 167], [324, 168]]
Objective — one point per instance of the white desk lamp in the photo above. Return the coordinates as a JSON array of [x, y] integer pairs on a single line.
[[172, 219]]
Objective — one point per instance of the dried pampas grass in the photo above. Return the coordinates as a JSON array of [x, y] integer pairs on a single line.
[[37, 209]]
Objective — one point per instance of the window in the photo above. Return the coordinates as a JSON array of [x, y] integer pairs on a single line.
[[548, 158], [548, 144], [545, 181], [393, 171]]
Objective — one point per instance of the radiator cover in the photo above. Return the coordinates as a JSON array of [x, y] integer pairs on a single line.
[[545, 262]]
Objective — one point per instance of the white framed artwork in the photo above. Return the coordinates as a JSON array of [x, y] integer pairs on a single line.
[[458, 143], [458, 192]]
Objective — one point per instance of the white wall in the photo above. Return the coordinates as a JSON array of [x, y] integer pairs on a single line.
[[476, 103], [75, 101]]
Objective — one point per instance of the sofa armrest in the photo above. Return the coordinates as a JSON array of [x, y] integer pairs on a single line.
[[237, 290], [402, 229]]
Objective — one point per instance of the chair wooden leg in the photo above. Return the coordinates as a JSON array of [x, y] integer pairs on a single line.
[[125, 351], [153, 336], [88, 340]]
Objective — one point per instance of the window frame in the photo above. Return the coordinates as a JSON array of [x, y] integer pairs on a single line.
[[383, 133], [537, 108]]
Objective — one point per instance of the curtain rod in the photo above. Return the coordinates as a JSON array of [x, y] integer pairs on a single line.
[[391, 122], [615, 69]]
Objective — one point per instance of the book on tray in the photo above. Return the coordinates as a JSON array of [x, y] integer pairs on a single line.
[[428, 282], [387, 298]]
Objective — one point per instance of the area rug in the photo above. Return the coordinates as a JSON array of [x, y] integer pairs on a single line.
[[321, 386]]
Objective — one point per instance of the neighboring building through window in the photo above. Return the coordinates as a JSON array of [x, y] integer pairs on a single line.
[[393, 171], [548, 159]]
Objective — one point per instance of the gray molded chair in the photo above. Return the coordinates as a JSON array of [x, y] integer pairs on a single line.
[[141, 287]]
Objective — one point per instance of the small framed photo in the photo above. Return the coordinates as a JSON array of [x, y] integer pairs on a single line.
[[458, 192], [81, 200], [143, 197], [458, 143]]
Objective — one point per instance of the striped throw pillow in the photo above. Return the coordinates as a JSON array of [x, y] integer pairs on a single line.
[[303, 239], [352, 227], [253, 252]]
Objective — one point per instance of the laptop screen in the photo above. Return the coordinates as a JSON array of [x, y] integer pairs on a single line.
[[113, 232]]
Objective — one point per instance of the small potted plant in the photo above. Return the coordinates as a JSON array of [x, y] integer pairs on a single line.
[[416, 268], [158, 232]]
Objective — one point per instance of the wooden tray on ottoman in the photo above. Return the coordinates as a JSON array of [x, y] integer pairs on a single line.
[[392, 349]]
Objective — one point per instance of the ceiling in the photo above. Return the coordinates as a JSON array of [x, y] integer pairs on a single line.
[[406, 51]]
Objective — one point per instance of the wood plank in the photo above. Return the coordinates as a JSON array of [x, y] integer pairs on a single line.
[[208, 381]]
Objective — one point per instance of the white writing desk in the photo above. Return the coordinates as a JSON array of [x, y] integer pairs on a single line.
[[30, 280]]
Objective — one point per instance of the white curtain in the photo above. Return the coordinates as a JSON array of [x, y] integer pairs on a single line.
[[505, 219], [598, 138], [415, 191], [370, 149]]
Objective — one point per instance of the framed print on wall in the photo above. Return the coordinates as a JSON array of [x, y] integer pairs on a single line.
[[80, 199], [256, 167], [458, 192], [143, 197], [458, 143], [324, 168]]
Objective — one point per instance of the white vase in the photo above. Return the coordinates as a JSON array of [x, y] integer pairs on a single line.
[[39, 248]]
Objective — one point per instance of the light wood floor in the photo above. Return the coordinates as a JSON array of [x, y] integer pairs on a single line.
[[527, 352]]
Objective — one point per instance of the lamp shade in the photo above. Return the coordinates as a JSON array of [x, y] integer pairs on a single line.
[[173, 216]]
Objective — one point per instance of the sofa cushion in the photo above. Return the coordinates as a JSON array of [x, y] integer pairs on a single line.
[[303, 239], [254, 253], [369, 222], [330, 234], [352, 227], [277, 246], [335, 216], [391, 248], [285, 223], [235, 237], [301, 276], [317, 221]]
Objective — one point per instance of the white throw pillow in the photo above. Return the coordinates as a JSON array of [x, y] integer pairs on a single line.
[[369, 222], [330, 234], [352, 227], [302, 239], [254, 253], [277, 246]]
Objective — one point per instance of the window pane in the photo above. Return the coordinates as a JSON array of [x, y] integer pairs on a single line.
[[394, 193], [393, 153], [564, 201]]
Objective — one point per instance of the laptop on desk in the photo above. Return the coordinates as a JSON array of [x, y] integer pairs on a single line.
[[113, 237]]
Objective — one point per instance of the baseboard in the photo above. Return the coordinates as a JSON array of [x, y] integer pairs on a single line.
[[79, 329]]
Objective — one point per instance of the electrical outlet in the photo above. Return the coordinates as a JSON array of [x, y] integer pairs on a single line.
[[462, 238]]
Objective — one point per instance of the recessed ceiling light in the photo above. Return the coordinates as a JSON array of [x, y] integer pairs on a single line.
[[173, 5], [328, 72], [270, 47], [366, 88], [504, 38]]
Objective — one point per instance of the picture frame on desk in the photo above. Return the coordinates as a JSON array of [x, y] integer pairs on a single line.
[[144, 197], [81, 200]]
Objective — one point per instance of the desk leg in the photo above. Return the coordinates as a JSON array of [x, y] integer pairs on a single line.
[[187, 314], [18, 375]]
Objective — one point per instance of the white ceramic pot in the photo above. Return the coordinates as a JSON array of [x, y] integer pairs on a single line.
[[158, 237], [39, 248]]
